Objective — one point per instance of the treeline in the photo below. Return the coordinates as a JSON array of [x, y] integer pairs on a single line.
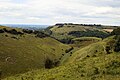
[[62, 24], [39, 34], [116, 32], [12, 31], [89, 33], [114, 44]]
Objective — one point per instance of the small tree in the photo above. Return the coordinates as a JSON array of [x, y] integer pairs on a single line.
[[49, 63]]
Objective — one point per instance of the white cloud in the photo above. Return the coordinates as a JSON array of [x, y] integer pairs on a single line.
[[53, 11]]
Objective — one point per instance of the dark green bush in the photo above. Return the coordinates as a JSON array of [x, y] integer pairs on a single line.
[[41, 35], [27, 31], [1, 31], [117, 44], [116, 32], [50, 63], [89, 33], [68, 50]]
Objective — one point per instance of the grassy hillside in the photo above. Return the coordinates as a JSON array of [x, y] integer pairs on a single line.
[[84, 41], [79, 43], [97, 61], [66, 32], [21, 53]]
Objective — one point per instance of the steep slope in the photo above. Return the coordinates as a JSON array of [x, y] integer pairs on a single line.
[[79, 43], [97, 61], [23, 52], [93, 50]]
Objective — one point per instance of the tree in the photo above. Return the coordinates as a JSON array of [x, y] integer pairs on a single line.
[[49, 63], [117, 44], [27, 31], [116, 32]]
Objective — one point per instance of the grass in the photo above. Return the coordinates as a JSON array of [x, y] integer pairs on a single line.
[[26, 52], [97, 68], [89, 63], [78, 44], [63, 32]]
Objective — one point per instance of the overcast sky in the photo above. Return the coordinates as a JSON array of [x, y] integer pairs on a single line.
[[60, 11]]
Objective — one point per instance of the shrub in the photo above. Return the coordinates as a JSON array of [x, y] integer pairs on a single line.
[[41, 35], [117, 44], [68, 50], [108, 49], [5, 30], [1, 31], [13, 31], [88, 56], [116, 32], [14, 37], [66, 41], [27, 31], [48, 63]]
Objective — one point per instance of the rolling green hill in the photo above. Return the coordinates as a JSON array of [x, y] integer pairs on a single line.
[[66, 32], [21, 52], [98, 61]]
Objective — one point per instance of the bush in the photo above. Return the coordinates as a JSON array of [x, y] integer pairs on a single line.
[[5, 30], [48, 63], [117, 44], [12, 31], [41, 35], [108, 49], [116, 32], [14, 37], [67, 41], [68, 50], [27, 31], [1, 31]]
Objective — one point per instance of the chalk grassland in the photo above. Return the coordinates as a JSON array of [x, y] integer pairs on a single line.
[[21, 53], [92, 62]]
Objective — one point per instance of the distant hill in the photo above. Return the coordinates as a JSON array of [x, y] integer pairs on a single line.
[[68, 31], [26, 26]]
